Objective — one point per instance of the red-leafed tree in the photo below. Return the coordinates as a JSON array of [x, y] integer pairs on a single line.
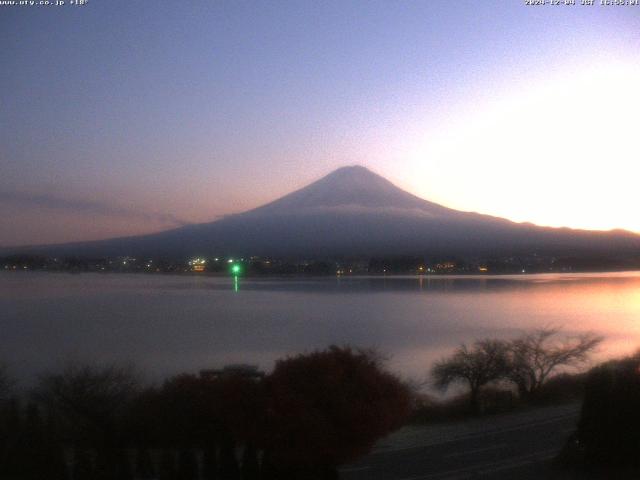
[[215, 414], [329, 407]]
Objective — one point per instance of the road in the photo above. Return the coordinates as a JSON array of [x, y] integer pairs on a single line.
[[519, 445]]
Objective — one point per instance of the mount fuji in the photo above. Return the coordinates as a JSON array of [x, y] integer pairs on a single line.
[[353, 211]]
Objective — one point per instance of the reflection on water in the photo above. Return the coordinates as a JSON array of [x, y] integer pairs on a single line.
[[172, 323]]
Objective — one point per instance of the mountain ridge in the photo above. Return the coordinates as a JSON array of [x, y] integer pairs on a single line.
[[354, 211]]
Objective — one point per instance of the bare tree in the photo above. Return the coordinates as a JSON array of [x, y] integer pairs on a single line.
[[88, 400], [484, 362], [535, 356], [6, 383]]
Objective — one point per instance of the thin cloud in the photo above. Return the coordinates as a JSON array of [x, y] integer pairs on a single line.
[[44, 200]]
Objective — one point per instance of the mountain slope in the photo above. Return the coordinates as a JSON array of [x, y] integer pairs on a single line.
[[353, 211]]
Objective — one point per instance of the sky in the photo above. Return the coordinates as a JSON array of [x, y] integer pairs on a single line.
[[127, 117]]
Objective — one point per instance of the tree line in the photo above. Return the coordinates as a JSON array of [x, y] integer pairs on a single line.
[[312, 413]]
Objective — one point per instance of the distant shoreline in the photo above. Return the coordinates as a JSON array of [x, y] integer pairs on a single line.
[[324, 276]]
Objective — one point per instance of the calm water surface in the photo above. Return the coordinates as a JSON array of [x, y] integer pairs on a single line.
[[167, 324]]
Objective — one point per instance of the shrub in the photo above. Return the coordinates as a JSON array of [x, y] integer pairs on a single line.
[[609, 427], [329, 407]]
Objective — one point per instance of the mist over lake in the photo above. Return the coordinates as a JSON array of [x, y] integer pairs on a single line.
[[168, 324]]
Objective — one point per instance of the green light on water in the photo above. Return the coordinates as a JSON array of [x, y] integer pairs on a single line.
[[235, 269]]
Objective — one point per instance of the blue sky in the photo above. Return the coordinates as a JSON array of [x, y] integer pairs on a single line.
[[126, 117]]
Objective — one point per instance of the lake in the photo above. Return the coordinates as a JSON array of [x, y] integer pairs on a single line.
[[167, 324]]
